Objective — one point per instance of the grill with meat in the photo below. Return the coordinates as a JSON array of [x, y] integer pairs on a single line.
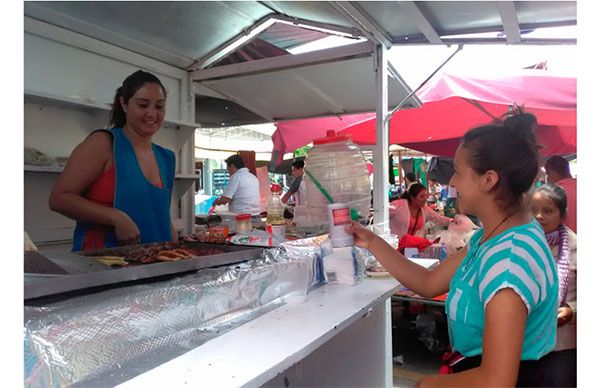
[[167, 251]]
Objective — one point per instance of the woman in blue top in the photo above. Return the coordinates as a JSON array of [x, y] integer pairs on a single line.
[[117, 184], [503, 287]]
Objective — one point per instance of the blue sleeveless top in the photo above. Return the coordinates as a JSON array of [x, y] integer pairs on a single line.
[[147, 205]]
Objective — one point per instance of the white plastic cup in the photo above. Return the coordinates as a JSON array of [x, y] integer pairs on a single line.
[[277, 232], [339, 218]]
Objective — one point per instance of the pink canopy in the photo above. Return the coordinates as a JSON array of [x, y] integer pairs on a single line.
[[452, 105], [292, 134]]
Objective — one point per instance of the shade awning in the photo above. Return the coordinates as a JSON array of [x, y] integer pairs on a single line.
[[453, 104]]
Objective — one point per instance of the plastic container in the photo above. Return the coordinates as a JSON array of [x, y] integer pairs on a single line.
[[218, 234], [339, 167], [277, 233], [275, 207], [443, 252], [227, 219], [434, 251], [339, 219], [243, 223]]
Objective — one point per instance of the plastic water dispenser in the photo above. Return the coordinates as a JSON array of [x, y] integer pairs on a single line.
[[335, 171]]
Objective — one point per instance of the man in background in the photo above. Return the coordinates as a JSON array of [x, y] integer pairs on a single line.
[[558, 172], [297, 187], [242, 192]]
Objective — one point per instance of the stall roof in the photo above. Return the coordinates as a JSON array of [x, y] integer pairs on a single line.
[[196, 35], [180, 33], [306, 85]]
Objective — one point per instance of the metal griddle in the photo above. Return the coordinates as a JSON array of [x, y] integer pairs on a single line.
[[81, 275]]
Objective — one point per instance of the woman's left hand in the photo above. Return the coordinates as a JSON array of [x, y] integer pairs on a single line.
[[565, 314]]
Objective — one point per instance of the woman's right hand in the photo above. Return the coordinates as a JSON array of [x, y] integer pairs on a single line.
[[362, 236], [126, 231]]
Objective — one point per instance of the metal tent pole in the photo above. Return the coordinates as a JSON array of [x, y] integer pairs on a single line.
[[380, 153]]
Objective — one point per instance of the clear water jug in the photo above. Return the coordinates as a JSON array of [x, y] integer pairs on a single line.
[[337, 165]]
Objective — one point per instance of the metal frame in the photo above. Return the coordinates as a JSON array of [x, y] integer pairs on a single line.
[[264, 23], [508, 14], [284, 62], [369, 28], [502, 41], [380, 153], [319, 26], [449, 38], [226, 48], [421, 21]]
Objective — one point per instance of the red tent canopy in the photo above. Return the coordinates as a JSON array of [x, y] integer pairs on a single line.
[[454, 104]]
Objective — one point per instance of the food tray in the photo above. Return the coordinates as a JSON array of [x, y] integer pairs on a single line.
[[40, 287]]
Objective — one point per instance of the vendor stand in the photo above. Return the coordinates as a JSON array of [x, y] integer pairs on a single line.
[[247, 324]]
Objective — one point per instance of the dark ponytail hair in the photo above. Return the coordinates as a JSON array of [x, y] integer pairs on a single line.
[[510, 149], [412, 192], [130, 85], [557, 195]]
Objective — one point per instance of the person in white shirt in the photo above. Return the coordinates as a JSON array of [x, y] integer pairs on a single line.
[[242, 192]]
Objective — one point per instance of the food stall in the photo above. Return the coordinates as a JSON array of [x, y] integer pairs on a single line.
[[248, 317], [191, 320]]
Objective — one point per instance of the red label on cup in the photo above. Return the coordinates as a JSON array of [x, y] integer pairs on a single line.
[[341, 216]]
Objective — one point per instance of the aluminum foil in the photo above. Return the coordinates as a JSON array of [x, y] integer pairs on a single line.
[[111, 336]]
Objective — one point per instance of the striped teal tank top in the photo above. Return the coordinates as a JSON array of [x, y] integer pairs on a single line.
[[520, 259]]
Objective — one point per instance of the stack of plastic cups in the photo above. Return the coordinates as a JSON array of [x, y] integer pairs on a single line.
[[339, 265]]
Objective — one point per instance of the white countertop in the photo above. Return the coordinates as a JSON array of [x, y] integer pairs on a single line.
[[257, 351]]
